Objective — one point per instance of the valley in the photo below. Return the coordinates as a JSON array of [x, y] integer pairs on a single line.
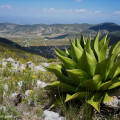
[[55, 34]]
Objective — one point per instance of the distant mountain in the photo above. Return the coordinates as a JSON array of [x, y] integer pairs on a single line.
[[111, 27], [62, 29], [42, 28], [55, 32]]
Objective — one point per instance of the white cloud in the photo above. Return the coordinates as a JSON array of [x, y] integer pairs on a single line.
[[117, 12], [49, 10], [65, 10], [81, 10], [78, 0], [52, 9], [97, 12], [5, 7]]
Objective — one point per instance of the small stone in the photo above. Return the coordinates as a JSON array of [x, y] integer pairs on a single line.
[[6, 87], [114, 103], [20, 84], [10, 60], [27, 92], [3, 109], [15, 65], [61, 118], [13, 95], [39, 68], [22, 67], [41, 84], [31, 104], [45, 64], [49, 115], [30, 64], [17, 98]]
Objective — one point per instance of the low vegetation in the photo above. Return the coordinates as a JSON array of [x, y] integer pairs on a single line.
[[7, 51]]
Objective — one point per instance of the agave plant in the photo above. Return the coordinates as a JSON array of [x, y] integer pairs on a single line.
[[88, 71]]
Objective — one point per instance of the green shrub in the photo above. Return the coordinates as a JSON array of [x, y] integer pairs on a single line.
[[85, 72]]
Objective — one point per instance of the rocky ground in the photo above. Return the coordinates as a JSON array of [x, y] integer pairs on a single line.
[[22, 96], [21, 93]]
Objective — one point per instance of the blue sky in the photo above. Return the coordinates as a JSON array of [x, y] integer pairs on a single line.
[[59, 11]]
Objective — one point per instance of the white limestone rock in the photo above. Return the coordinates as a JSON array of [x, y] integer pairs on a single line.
[[14, 94], [114, 103], [15, 65], [39, 68], [20, 84], [50, 115], [41, 84], [27, 92], [3, 109], [22, 67], [10, 60], [45, 64], [30, 64], [6, 87], [4, 63]]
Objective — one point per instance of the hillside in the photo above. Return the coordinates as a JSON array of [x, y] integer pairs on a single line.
[[11, 51], [44, 51], [43, 29], [111, 27]]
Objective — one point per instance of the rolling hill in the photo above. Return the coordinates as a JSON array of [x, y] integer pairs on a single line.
[[111, 27], [8, 49], [55, 34]]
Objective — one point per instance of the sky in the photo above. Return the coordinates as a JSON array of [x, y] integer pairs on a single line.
[[59, 11]]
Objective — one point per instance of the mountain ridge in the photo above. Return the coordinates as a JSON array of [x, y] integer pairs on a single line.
[[55, 34], [12, 28]]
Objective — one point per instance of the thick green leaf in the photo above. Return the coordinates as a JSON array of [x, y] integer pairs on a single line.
[[114, 48], [92, 84], [61, 52], [82, 41], [113, 58], [106, 85], [112, 72], [78, 95], [114, 85], [101, 68], [106, 98], [102, 42], [95, 100], [87, 63], [78, 45], [77, 75], [74, 42], [68, 63], [117, 72], [95, 44], [68, 52], [53, 85], [57, 71], [103, 51], [64, 86], [76, 52], [88, 46]]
